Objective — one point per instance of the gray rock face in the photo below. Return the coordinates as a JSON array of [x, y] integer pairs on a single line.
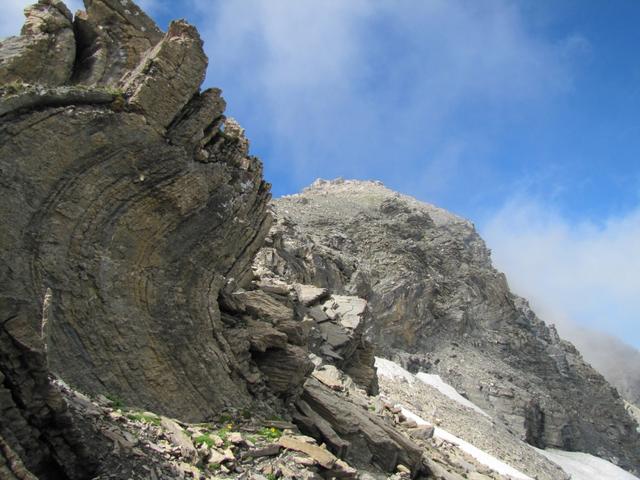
[[125, 212], [438, 305], [112, 38], [46, 50]]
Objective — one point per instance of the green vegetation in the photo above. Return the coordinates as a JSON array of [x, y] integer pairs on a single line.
[[144, 417], [116, 402], [204, 439], [207, 439], [225, 418], [271, 433], [13, 88]]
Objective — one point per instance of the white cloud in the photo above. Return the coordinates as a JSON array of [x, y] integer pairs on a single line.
[[325, 77], [587, 273]]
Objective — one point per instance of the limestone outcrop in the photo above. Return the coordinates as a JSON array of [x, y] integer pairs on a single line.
[[437, 305]]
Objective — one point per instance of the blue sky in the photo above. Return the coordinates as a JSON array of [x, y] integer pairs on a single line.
[[521, 116]]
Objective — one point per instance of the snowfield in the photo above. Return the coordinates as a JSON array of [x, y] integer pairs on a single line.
[[582, 466], [389, 369], [436, 382], [481, 456]]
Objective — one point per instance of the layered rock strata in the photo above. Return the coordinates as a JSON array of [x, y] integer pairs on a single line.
[[132, 213], [439, 306], [130, 201]]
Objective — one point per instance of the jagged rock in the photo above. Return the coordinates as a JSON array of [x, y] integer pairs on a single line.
[[169, 76], [263, 306], [45, 51], [179, 438], [272, 285], [112, 37], [199, 120], [433, 294], [308, 294], [324, 458], [268, 451], [119, 225], [331, 377], [361, 367], [263, 336], [285, 369], [313, 423], [37, 435], [369, 437], [422, 432]]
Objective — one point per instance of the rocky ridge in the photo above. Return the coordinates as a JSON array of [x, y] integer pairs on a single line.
[[439, 306]]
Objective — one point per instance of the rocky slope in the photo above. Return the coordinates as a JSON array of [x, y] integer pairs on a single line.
[[618, 362], [439, 306]]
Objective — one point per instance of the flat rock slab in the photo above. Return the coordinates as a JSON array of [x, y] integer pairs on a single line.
[[179, 438], [268, 451], [309, 295], [323, 457]]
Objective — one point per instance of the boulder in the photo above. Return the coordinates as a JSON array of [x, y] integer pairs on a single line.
[[309, 294], [370, 438]]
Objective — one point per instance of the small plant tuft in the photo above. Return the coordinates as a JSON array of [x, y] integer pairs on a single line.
[[116, 402], [204, 439], [270, 433], [145, 418]]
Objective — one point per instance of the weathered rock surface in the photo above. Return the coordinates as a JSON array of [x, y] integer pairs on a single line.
[[112, 38], [45, 51], [133, 236], [129, 202], [355, 433], [37, 435], [438, 305]]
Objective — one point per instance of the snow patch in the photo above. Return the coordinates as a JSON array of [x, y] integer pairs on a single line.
[[582, 466], [436, 382], [387, 368], [480, 455], [393, 371]]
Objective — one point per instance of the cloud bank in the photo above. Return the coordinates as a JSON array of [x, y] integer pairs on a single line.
[[380, 89], [586, 273]]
